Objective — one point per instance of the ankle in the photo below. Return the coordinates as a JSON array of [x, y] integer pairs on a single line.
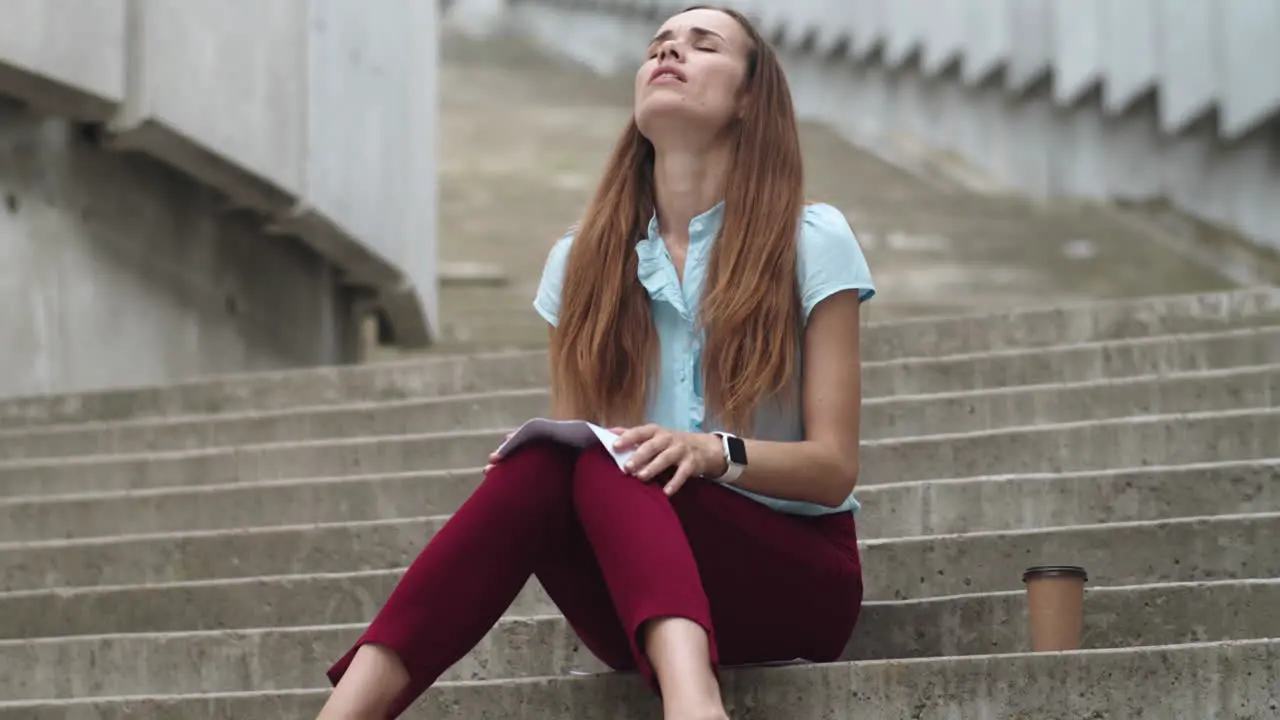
[[694, 701], [681, 655]]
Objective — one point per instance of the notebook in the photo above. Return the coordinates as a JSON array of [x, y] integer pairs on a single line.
[[577, 433]]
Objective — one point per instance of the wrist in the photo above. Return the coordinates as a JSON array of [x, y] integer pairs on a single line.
[[717, 463]]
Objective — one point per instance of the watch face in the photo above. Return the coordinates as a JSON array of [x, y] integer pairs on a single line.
[[737, 450]]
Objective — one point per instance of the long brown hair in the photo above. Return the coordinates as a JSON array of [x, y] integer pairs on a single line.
[[604, 348]]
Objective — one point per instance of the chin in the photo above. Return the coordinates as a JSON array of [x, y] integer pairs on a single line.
[[659, 115]]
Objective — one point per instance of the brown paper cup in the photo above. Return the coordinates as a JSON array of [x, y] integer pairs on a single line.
[[1055, 606]]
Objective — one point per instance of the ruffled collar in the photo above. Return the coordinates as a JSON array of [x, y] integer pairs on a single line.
[[656, 271]]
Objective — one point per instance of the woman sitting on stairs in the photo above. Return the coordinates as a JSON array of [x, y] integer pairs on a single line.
[[698, 296]]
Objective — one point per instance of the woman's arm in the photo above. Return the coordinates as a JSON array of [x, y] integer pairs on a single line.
[[823, 468]]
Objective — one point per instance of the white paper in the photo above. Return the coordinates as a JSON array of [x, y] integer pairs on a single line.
[[577, 433]]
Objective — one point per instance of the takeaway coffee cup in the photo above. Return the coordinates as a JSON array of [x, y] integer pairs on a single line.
[[1055, 606]]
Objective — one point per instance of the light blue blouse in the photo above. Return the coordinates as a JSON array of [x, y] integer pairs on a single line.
[[830, 261]]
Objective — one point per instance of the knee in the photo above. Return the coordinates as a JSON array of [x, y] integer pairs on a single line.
[[542, 467], [593, 465], [541, 451]]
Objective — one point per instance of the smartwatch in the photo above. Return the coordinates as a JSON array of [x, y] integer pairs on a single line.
[[735, 457]]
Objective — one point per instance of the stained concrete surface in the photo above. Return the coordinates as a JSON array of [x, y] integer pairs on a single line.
[[526, 130], [115, 270]]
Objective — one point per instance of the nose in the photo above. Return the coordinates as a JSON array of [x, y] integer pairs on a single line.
[[670, 50]]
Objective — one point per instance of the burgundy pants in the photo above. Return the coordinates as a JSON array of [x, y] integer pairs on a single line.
[[614, 552]]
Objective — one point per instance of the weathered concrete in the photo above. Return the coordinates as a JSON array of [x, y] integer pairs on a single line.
[[1071, 344], [1182, 550], [278, 551], [426, 415], [1084, 362], [64, 59], [1062, 499], [882, 417], [453, 375], [117, 271], [287, 91], [1066, 447], [1087, 99], [216, 507], [254, 602], [539, 646], [249, 115], [264, 391], [370, 190], [1038, 325], [1010, 502], [1160, 681], [969, 411], [548, 125], [1073, 447], [318, 124], [142, 664]]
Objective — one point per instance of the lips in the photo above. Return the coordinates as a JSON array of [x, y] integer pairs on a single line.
[[667, 71]]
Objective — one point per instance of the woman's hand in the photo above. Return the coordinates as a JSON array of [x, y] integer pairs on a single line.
[[658, 449], [493, 456]]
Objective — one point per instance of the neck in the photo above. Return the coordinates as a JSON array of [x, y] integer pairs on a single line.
[[687, 183]]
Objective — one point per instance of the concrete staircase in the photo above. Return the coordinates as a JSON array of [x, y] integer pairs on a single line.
[[204, 550], [527, 133]]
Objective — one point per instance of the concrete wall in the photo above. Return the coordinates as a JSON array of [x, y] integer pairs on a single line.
[[320, 114], [1142, 99], [70, 56], [318, 118], [372, 125], [116, 270]]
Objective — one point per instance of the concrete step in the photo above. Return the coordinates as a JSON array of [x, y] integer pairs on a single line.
[[422, 377], [1076, 447], [250, 463], [232, 660], [987, 215], [506, 322], [1182, 550], [1077, 323], [1046, 500], [1083, 362], [925, 338], [1203, 680], [882, 417], [1007, 502], [1106, 399], [1068, 447], [354, 597], [227, 603], [504, 408]]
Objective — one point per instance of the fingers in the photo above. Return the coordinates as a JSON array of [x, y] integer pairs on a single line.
[[683, 472], [671, 457], [635, 437], [645, 454], [657, 452], [493, 456]]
